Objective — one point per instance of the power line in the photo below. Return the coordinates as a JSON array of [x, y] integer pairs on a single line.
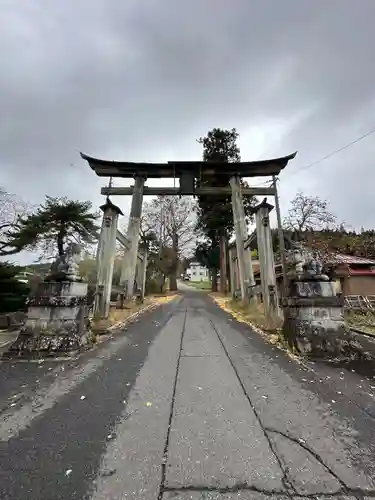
[[333, 153]]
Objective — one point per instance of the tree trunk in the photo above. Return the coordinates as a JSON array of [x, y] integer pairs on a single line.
[[60, 241], [214, 280], [223, 265], [173, 283], [173, 275], [228, 266]]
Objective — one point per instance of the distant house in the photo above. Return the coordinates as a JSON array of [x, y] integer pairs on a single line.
[[197, 272], [352, 275]]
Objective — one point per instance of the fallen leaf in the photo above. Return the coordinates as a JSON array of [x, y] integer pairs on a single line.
[[108, 472]]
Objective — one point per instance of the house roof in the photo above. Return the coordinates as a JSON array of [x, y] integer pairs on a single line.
[[341, 258]]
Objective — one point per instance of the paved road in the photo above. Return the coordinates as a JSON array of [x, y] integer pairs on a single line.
[[185, 404]]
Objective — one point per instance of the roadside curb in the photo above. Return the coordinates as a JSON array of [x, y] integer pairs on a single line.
[[129, 319], [134, 316]]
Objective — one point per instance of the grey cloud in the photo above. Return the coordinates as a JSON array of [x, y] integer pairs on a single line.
[[141, 80]]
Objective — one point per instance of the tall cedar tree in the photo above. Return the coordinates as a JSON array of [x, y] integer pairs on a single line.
[[215, 215], [52, 226]]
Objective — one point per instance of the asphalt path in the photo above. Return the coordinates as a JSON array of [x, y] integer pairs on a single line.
[[186, 403]]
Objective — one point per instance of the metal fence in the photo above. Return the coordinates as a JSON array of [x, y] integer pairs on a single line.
[[359, 303]]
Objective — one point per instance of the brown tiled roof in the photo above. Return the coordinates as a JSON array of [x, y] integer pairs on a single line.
[[341, 258]]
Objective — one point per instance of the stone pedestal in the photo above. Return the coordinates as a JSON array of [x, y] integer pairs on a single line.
[[314, 322], [57, 320]]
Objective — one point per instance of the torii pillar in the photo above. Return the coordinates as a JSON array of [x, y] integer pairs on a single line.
[[129, 263], [106, 257], [245, 265], [266, 259]]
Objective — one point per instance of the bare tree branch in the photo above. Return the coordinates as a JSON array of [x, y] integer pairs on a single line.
[[308, 213]]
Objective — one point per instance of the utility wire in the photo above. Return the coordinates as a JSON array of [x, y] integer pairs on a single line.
[[333, 153]]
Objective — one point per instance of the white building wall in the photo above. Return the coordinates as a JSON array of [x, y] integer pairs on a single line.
[[196, 272]]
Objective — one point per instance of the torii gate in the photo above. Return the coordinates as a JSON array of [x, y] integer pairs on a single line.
[[188, 174]]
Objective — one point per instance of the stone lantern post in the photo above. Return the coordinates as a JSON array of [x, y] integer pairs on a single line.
[[106, 257], [266, 259]]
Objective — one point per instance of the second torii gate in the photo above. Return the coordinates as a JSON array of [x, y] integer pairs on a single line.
[[188, 174]]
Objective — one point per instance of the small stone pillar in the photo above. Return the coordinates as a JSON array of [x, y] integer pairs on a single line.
[[313, 313], [266, 259], [57, 316], [129, 264], [245, 265], [106, 257]]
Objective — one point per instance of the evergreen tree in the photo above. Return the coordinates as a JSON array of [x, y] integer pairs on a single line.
[[52, 226], [215, 215]]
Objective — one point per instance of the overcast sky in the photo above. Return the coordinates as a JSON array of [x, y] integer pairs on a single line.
[[141, 80]]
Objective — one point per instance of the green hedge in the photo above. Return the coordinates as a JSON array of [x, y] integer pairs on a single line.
[[13, 293]]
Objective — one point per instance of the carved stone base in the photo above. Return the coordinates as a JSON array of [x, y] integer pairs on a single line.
[[314, 323], [57, 321]]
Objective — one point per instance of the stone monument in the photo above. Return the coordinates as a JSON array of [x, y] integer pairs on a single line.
[[313, 312], [57, 317]]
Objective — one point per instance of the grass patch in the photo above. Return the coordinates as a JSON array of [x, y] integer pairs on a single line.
[[200, 285], [119, 316], [364, 321], [253, 316]]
